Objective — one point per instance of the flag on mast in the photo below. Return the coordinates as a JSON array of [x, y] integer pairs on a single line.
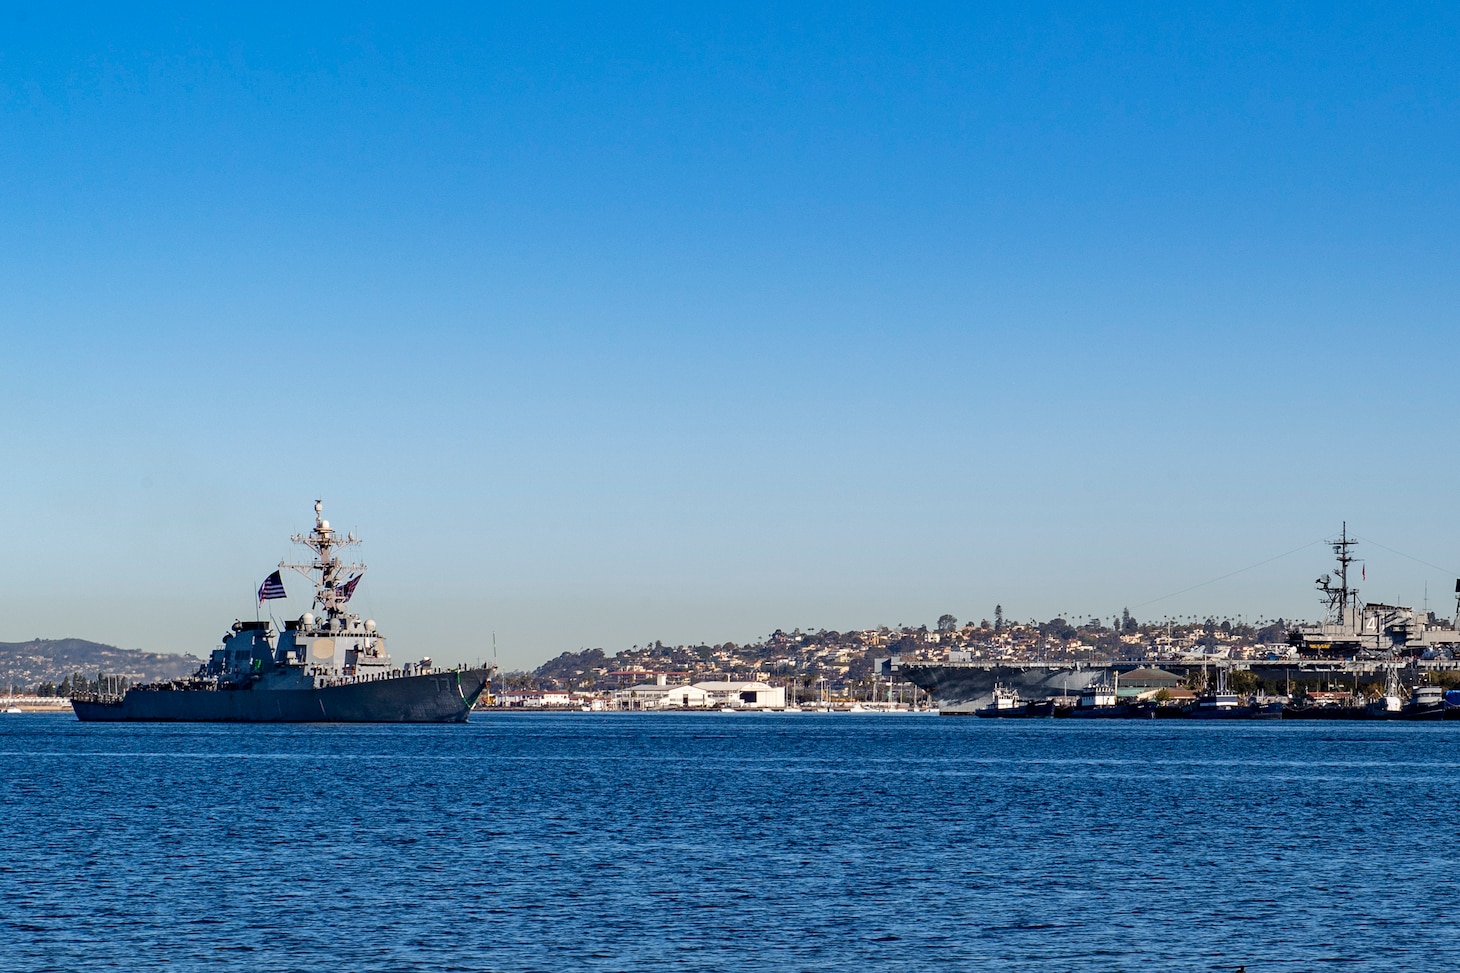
[[273, 587], [347, 590]]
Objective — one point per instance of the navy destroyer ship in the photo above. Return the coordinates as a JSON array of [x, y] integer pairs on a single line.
[[327, 666]]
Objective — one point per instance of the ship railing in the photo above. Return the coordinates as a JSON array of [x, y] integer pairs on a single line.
[[92, 697], [108, 689]]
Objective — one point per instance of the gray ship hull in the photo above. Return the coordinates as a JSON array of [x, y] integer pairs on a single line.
[[964, 688], [959, 687], [438, 697]]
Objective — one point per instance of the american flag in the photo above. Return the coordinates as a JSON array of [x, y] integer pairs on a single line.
[[273, 587], [347, 590]]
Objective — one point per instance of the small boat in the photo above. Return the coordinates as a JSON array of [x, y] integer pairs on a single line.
[[1323, 711], [16, 710], [728, 709], [1098, 701], [1267, 708], [1386, 707], [1389, 706], [1223, 704], [1218, 706], [1006, 703], [1427, 703]]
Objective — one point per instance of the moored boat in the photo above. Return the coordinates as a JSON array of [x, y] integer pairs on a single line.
[[1006, 703], [1100, 701], [1389, 706], [1425, 703]]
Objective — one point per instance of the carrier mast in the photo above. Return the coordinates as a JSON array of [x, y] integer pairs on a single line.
[[1339, 598]]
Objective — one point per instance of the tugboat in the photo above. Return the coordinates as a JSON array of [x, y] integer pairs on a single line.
[[1004, 703], [1427, 703], [1267, 708], [325, 668], [1101, 701], [1219, 705], [1223, 704], [1008, 704]]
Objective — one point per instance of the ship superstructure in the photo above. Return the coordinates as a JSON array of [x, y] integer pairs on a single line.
[[1354, 629], [325, 666], [1355, 638], [336, 642]]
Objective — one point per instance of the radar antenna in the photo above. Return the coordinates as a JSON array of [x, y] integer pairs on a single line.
[[332, 589]]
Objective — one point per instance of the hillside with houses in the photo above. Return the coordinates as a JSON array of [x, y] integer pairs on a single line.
[[846, 661], [47, 667]]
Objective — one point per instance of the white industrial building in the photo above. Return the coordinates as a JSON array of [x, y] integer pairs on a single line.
[[534, 699], [657, 695], [744, 695]]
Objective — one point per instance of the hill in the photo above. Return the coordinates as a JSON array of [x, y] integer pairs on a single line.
[[31, 665]]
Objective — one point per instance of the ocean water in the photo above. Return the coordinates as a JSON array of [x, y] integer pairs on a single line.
[[729, 842]]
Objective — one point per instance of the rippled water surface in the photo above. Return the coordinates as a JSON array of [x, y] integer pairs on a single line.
[[729, 842]]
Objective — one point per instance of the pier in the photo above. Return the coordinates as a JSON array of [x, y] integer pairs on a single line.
[[1308, 666]]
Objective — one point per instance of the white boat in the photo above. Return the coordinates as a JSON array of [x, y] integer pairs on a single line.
[[13, 709], [727, 709], [1391, 704]]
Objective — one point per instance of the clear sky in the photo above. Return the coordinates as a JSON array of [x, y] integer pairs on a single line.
[[606, 325]]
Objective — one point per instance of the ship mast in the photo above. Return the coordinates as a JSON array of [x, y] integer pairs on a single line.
[[1340, 597], [327, 572]]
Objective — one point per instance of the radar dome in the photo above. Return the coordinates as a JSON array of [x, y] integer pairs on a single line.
[[324, 525], [307, 620], [369, 624]]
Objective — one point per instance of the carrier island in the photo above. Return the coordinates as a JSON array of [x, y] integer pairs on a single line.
[[327, 666]]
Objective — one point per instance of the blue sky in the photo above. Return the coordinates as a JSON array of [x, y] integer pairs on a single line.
[[603, 326]]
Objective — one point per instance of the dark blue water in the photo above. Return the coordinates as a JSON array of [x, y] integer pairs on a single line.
[[729, 842]]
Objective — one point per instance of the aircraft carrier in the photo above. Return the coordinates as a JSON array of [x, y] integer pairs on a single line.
[[1357, 641]]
